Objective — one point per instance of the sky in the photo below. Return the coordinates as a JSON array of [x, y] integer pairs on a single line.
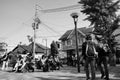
[[17, 16]]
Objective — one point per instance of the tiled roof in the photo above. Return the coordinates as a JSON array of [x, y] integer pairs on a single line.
[[64, 36], [42, 46], [39, 48], [21, 48], [84, 30]]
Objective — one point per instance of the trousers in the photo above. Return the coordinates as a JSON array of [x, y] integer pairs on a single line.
[[91, 62], [103, 68]]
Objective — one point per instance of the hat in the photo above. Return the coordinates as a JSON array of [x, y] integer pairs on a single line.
[[88, 37]]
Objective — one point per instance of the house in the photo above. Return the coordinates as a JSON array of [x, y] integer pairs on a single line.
[[118, 46], [3, 48], [23, 49], [62, 54], [20, 49], [40, 49], [68, 42]]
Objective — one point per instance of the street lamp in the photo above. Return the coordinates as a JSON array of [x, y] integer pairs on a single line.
[[35, 25], [75, 18]]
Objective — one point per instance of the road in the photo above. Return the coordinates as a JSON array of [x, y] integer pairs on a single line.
[[66, 73]]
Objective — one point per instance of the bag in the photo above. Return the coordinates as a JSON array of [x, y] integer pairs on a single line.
[[90, 50]]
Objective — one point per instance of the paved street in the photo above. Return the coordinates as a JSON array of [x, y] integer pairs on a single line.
[[66, 73]]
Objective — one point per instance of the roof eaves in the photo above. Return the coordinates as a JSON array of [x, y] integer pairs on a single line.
[[15, 48], [24, 47], [41, 46], [70, 33], [65, 35], [81, 32]]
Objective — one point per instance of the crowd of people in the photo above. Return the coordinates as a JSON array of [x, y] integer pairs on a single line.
[[28, 63], [92, 54]]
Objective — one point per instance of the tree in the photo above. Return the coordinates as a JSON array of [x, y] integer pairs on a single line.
[[103, 17]]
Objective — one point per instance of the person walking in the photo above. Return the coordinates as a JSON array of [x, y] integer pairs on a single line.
[[89, 54], [102, 60], [5, 60]]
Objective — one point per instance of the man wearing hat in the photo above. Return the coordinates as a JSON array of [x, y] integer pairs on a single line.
[[89, 57]]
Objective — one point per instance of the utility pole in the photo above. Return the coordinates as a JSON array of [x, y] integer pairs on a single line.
[[46, 45], [35, 26]]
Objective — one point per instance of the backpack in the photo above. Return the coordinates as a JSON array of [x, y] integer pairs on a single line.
[[90, 49]]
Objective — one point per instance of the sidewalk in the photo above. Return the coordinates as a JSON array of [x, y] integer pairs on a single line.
[[66, 73], [70, 73]]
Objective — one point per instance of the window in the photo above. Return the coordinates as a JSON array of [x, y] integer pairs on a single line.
[[58, 45], [80, 41], [69, 42], [63, 42]]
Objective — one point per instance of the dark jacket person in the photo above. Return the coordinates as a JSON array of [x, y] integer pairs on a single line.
[[88, 59], [102, 59]]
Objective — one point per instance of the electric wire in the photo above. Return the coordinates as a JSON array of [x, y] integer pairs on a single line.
[[72, 7], [63, 26], [50, 28]]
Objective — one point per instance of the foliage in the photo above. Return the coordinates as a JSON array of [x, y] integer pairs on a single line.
[[103, 17]]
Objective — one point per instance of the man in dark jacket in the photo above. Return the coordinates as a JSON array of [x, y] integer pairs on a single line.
[[88, 59], [102, 59]]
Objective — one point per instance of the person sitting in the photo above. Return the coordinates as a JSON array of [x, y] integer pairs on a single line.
[[43, 59], [52, 63], [58, 63], [18, 64], [45, 63], [27, 62]]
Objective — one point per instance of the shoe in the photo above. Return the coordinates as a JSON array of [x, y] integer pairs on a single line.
[[102, 76], [88, 78], [106, 78]]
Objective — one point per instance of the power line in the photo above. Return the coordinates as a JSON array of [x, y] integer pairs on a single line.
[[49, 36], [43, 31], [56, 10], [63, 26], [72, 7], [39, 6], [47, 27], [30, 19], [47, 30], [50, 28]]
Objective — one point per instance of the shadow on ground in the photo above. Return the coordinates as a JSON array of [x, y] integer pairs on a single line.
[[58, 77], [72, 69], [115, 71], [70, 78]]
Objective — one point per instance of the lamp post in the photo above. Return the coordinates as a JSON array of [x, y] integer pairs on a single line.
[[35, 25], [75, 18]]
